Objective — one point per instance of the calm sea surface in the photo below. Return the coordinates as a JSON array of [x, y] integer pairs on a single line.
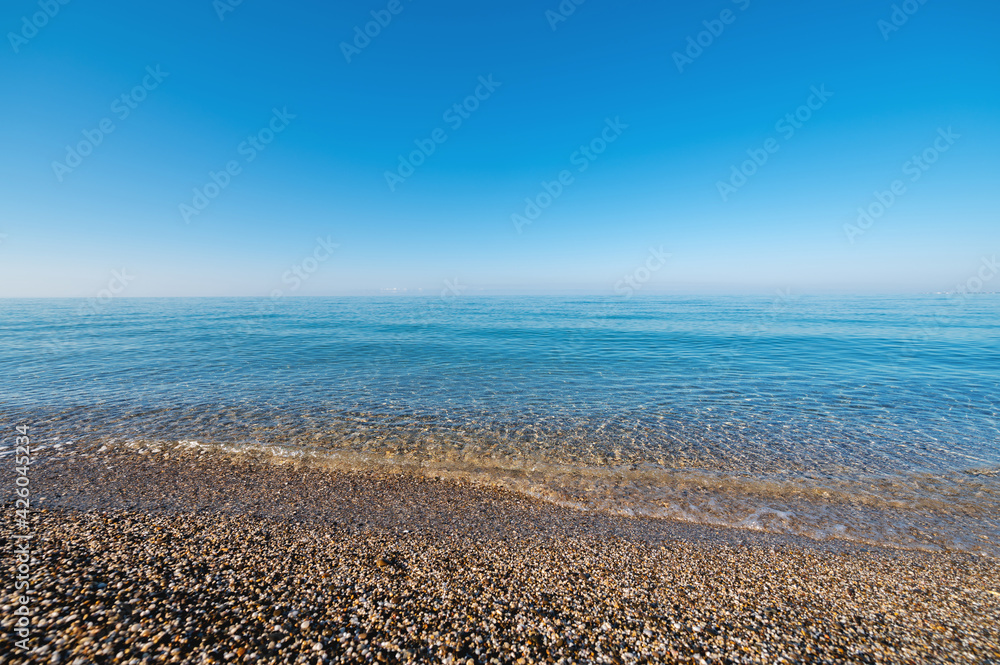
[[869, 418]]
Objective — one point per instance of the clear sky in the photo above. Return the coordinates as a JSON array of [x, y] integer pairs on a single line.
[[634, 114]]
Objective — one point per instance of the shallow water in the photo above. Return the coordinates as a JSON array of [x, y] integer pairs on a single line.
[[872, 418]]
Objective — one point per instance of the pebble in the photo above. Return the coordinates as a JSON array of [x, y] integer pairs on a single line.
[[488, 577]]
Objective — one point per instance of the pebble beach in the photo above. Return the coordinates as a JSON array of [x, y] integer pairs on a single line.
[[168, 555]]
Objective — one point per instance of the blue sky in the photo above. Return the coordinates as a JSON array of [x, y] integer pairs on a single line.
[[555, 82]]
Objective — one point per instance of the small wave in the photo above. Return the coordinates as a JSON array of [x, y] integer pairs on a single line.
[[955, 512]]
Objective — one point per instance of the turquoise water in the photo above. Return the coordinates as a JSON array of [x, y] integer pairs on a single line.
[[872, 418]]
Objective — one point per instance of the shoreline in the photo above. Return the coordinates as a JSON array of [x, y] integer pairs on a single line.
[[952, 515], [202, 554]]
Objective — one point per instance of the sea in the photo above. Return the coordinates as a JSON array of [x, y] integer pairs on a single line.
[[867, 418]]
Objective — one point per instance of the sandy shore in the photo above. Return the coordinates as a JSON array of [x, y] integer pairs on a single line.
[[180, 557]]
